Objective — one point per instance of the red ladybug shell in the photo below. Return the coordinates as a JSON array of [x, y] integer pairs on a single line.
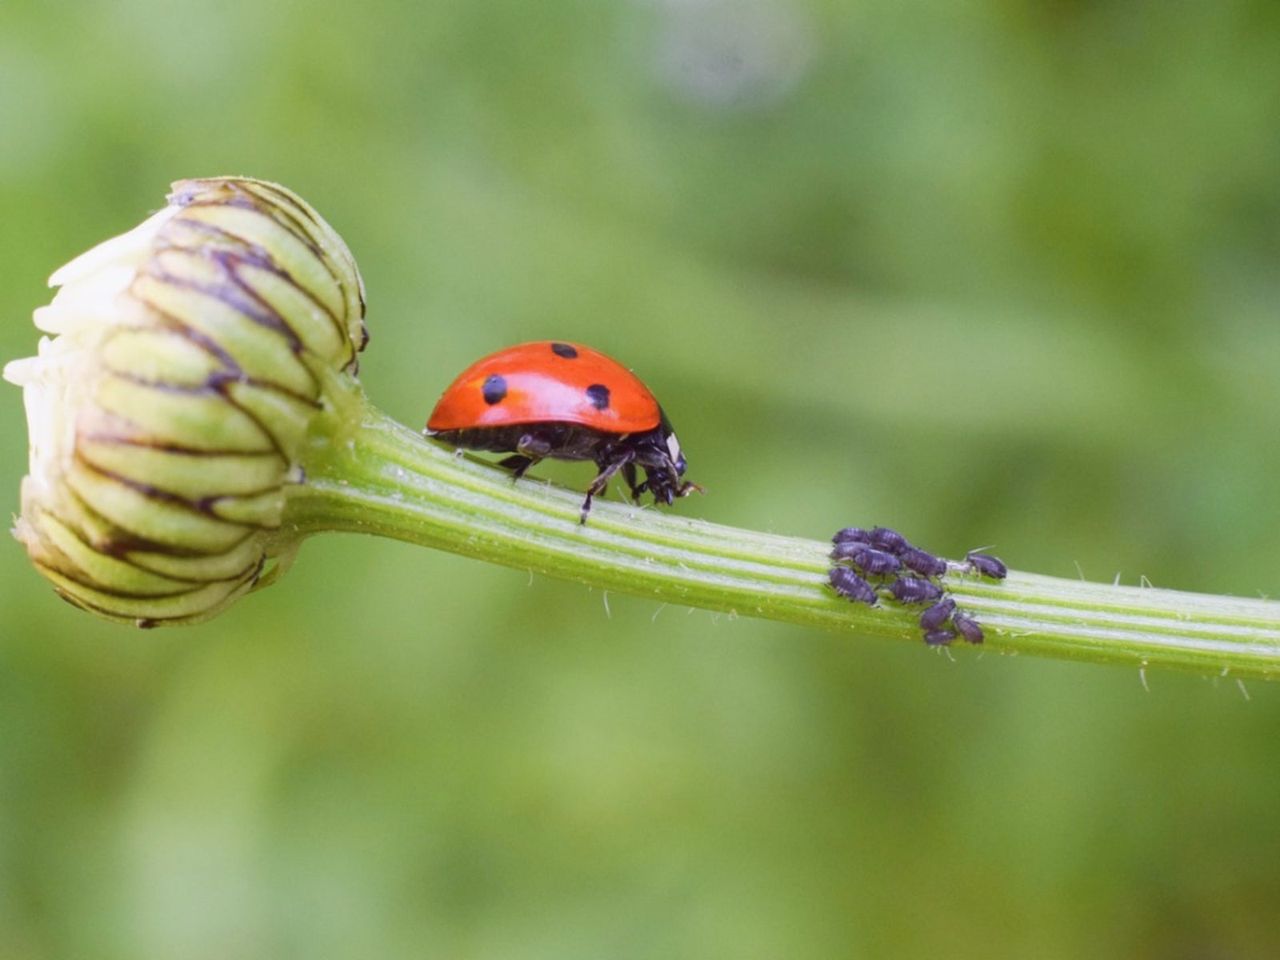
[[547, 381]]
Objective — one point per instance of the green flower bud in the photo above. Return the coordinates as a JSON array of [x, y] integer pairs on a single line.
[[168, 410]]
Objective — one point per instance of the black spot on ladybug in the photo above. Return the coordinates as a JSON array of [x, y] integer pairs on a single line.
[[494, 389], [598, 394], [564, 350]]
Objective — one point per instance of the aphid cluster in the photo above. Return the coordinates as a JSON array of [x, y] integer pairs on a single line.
[[881, 562]]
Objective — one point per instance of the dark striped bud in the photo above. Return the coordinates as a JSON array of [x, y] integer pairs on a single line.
[[168, 410]]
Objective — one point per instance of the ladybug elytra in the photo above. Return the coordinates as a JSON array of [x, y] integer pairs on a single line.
[[552, 399]]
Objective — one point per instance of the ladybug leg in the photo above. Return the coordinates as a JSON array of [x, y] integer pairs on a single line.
[[629, 474], [682, 488], [530, 448], [517, 465], [607, 469], [533, 446]]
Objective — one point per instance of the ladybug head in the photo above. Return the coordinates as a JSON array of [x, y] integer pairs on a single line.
[[677, 458], [663, 484], [664, 464], [663, 478], [672, 445]]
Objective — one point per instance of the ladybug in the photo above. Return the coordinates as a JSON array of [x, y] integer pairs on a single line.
[[565, 401]]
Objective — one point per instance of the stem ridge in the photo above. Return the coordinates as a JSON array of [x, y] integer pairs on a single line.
[[368, 474]]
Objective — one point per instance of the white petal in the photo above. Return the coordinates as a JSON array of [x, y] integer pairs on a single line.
[[129, 248]]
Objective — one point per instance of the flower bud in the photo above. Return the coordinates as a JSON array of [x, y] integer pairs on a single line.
[[168, 410]]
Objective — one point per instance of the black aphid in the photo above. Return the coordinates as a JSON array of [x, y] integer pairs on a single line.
[[923, 562], [937, 615], [987, 565], [883, 538], [914, 590], [851, 586], [967, 627], [876, 562], [867, 559], [845, 551], [939, 638], [851, 535]]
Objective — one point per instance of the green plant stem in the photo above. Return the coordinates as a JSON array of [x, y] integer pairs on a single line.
[[366, 473]]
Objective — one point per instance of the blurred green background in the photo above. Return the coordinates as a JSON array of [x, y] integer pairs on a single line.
[[991, 273]]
